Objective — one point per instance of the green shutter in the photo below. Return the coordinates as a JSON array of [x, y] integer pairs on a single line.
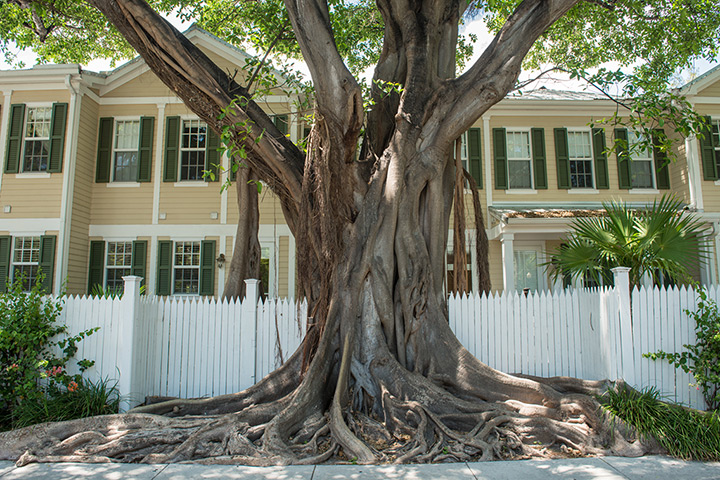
[[57, 137], [164, 268], [47, 260], [172, 150], [212, 155], [104, 155], [707, 152], [623, 158], [539, 162], [207, 268], [562, 158], [96, 271], [602, 178], [500, 150], [281, 122], [14, 142], [5, 249], [139, 259], [147, 130], [475, 156], [662, 164]]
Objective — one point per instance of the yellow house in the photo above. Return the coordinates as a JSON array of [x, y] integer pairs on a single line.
[[102, 177]]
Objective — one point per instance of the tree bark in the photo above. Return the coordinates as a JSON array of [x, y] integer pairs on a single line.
[[245, 261]]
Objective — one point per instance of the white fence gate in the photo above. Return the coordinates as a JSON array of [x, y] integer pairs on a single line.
[[202, 347]]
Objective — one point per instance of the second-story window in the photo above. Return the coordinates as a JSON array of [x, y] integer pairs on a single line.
[[641, 165], [119, 262], [580, 159], [519, 159], [192, 150], [125, 150], [36, 144]]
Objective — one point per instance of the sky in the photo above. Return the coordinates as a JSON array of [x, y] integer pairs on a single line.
[[477, 27]]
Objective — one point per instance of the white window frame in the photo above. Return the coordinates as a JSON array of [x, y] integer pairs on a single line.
[[21, 263], [191, 149], [633, 138], [109, 267], [115, 150], [591, 159], [25, 138], [521, 130], [176, 267]]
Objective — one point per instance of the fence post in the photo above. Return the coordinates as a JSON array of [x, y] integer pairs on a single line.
[[129, 307], [248, 330], [621, 276]]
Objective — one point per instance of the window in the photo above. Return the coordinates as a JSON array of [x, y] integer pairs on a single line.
[[125, 150], [26, 260], [519, 159], [641, 165], [186, 268], [192, 150], [715, 130], [526, 270], [580, 159], [36, 144], [119, 264]]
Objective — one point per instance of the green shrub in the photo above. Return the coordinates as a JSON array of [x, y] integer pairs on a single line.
[[34, 382], [702, 359], [684, 432]]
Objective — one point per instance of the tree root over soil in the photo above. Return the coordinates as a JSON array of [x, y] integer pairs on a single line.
[[279, 421]]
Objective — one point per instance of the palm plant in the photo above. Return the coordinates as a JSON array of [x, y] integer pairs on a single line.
[[659, 240]]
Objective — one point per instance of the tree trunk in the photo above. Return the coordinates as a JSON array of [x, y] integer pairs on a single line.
[[245, 261]]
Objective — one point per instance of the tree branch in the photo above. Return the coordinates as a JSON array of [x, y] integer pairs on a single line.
[[337, 92], [462, 100]]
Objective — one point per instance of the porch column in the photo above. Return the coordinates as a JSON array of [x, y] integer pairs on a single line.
[[508, 261]]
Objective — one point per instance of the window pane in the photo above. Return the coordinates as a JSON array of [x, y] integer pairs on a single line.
[[526, 269], [519, 174], [579, 145], [518, 144], [641, 174], [126, 166], [36, 155]]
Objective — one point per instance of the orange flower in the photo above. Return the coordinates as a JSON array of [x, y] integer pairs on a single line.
[[72, 386]]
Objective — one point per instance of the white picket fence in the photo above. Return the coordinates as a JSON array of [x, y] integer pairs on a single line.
[[592, 334], [184, 347], [194, 347]]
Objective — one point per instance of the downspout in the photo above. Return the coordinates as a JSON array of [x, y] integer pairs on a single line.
[[68, 188]]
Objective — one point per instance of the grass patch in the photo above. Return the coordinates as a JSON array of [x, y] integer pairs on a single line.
[[685, 433]]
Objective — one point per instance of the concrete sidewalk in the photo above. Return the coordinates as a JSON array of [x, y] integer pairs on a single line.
[[599, 468]]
